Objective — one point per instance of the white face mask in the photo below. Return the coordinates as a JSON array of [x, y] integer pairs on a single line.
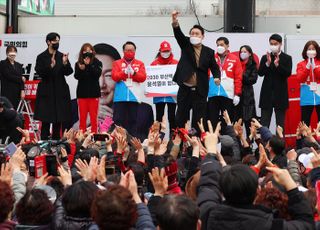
[[244, 55], [195, 40], [274, 49], [12, 55], [165, 55], [221, 49], [311, 53]]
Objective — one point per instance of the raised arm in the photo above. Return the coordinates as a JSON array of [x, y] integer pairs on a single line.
[[178, 34]]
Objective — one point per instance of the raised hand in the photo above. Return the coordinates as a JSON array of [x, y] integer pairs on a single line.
[[136, 143], [201, 127], [53, 60], [268, 59], [159, 181], [256, 123], [101, 170], [65, 58], [174, 16], [211, 138], [226, 117], [283, 177], [6, 173], [65, 176], [276, 60]]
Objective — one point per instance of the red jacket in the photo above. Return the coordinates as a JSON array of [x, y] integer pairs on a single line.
[[303, 73], [119, 66], [231, 69], [162, 61]]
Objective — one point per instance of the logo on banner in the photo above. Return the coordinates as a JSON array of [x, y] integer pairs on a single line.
[[18, 44]]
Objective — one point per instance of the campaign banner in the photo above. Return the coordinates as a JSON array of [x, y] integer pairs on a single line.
[[159, 81], [31, 89]]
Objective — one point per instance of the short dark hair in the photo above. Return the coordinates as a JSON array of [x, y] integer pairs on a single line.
[[11, 48], [306, 46], [239, 184], [129, 43], [34, 208], [77, 199], [52, 36], [177, 212], [197, 27], [106, 49], [7, 201], [276, 37], [277, 145], [224, 39], [114, 208]]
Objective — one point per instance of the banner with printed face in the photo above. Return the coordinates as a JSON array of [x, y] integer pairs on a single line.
[[159, 81]]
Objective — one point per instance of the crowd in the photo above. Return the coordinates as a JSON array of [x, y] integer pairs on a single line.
[[208, 174]]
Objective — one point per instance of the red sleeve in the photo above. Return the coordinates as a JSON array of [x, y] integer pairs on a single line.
[[117, 74], [174, 61], [141, 75], [302, 72], [238, 78], [317, 70], [155, 62], [255, 169]]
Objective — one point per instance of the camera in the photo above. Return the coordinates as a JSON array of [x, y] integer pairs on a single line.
[[43, 157], [45, 164]]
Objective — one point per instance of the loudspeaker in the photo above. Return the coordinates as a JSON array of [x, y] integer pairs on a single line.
[[239, 15]]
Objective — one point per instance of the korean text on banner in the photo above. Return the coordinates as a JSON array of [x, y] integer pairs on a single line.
[[159, 81]]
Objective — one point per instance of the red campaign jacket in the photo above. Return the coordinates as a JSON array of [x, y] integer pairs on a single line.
[[303, 73], [161, 61], [124, 90], [119, 66], [233, 69]]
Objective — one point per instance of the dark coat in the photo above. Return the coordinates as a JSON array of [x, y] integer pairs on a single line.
[[274, 90], [64, 222], [53, 102], [249, 78], [217, 215], [88, 80], [187, 64], [11, 81]]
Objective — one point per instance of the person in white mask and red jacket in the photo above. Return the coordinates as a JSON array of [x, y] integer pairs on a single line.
[[192, 74], [308, 74], [226, 94], [165, 57], [128, 73], [276, 68]]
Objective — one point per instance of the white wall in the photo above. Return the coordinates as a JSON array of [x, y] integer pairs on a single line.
[[160, 25], [162, 7], [2, 23]]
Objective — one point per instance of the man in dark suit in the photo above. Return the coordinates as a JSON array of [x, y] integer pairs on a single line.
[[276, 68], [192, 73], [53, 102]]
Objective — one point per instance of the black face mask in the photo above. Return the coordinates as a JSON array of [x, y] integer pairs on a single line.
[[87, 54], [55, 46]]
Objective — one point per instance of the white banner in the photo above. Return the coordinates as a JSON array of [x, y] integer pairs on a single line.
[[159, 81]]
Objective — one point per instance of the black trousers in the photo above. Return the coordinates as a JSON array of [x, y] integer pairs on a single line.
[[57, 128], [187, 99], [171, 113], [125, 114], [266, 115], [306, 112], [217, 105]]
